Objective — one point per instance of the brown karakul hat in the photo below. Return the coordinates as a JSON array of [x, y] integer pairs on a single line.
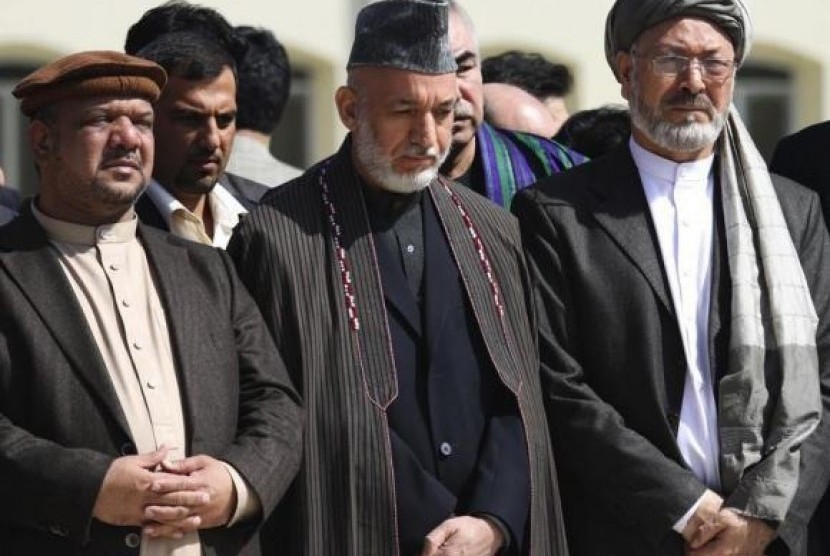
[[86, 74]]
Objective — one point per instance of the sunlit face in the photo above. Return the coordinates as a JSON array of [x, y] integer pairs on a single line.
[[679, 116], [469, 112], [95, 157], [195, 126], [401, 124]]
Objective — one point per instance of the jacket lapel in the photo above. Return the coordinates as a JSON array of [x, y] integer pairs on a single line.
[[623, 212], [33, 265], [184, 317], [494, 333], [374, 340], [247, 192]]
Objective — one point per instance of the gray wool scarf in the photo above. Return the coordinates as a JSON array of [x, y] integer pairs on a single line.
[[769, 400]]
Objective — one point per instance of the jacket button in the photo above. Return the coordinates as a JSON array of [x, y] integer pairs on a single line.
[[673, 419], [446, 449], [58, 530], [127, 449], [132, 540]]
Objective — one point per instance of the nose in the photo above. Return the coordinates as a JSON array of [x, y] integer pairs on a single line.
[[209, 135], [422, 132], [692, 77], [125, 134]]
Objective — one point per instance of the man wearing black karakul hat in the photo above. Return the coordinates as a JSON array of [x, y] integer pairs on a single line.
[[144, 410], [684, 310], [399, 302]]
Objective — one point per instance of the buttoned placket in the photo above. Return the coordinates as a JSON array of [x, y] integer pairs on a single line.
[[138, 341], [693, 225]]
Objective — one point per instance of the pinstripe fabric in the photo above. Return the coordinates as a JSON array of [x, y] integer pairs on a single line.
[[284, 254]]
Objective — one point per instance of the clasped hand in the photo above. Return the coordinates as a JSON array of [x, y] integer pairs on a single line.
[[718, 531], [166, 499]]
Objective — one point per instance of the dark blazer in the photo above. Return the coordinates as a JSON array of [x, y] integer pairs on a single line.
[[6, 215], [804, 158], [247, 192], [345, 495], [61, 424], [457, 438], [613, 366]]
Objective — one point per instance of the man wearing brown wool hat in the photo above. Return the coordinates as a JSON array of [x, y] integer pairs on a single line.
[[684, 310], [144, 409], [398, 298]]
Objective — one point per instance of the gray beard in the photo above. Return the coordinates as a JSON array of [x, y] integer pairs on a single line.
[[379, 168], [684, 137]]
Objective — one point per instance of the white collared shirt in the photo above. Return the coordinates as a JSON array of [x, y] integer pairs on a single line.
[[225, 209], [680, 199]]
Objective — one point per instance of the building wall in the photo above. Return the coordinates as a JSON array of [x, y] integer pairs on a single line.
[[318, 33]]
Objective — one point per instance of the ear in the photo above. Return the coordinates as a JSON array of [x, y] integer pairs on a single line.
[[41, 139], [346, 100], [625, 72]]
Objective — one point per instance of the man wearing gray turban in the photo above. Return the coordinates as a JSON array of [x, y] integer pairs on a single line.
[[692, 421]]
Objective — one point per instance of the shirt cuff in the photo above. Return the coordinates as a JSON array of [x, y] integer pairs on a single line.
[[247, 501], [680, 524]]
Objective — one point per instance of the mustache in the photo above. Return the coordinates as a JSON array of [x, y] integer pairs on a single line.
[[685, 99], [122, 157], [463, 110], [419, 151]]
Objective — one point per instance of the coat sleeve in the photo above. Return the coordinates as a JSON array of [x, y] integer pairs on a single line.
[[46, 486], [267, 447], [814, 252], [616, 467]]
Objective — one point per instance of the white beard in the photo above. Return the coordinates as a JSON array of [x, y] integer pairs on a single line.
[[380, 170]]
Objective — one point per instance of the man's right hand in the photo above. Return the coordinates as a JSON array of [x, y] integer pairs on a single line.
[[131, 484], [705, 516]]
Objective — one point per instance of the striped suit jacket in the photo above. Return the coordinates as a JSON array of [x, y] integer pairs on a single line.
[[344, 500]]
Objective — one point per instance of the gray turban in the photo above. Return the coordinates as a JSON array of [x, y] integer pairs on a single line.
[[629, 18]]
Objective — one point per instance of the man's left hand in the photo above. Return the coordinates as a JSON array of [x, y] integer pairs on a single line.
[[731, 534], [467, 536]]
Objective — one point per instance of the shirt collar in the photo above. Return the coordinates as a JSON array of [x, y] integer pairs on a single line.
[[81, 234], [224, 206], [226, 209], [659, 168]]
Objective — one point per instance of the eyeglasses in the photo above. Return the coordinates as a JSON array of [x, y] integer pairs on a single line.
[[712, 69]]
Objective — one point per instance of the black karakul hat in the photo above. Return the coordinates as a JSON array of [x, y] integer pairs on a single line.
[[411, 35]]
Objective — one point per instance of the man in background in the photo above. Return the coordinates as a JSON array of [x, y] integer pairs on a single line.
[[803, 157], [493, 162], [264, 78], [532, 72], [191, 194], [596, 132], [509, 107]]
